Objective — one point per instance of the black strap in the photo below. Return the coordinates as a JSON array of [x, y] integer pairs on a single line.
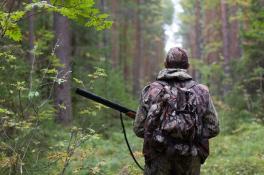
[[128, 146]]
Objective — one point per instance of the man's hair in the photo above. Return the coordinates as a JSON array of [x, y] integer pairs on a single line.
[[176, 58]]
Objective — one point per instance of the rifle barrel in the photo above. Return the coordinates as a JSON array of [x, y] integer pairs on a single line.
[[105, 102]]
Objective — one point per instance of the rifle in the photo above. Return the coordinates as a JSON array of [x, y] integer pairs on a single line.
[[130, 113]]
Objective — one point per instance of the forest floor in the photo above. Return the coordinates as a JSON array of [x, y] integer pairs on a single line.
[[241, 152]]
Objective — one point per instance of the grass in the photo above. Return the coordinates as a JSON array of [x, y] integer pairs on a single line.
[[241, 152], [111, 156]]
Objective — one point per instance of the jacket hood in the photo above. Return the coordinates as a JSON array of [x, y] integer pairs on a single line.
[[168, 74]]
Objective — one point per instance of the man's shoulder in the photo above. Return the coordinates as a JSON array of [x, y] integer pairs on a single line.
[[203, 87], [151, 90], [152, 85]]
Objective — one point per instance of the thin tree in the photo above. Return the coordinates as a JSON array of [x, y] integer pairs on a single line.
[[114, 35], [31, 32], [63, 101]]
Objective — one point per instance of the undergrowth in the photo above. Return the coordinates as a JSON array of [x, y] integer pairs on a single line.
[[241, 152]]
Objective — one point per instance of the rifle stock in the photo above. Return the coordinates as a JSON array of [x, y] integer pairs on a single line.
[[130, 113]]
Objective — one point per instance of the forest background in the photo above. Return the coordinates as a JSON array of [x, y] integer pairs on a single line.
[[114, 48]]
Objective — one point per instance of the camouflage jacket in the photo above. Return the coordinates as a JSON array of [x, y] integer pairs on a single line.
[[206, 110]]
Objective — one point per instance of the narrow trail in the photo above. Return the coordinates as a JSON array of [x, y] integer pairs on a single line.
[[172, 39]]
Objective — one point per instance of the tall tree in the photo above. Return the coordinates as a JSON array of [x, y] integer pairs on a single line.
[[211, 31], [137, 48], [63, 101], [196, 46], [234, 40], [114, 34], [153, 38], [124, 45], [104, 43], [31, 32], [225, 31], [225, 39]]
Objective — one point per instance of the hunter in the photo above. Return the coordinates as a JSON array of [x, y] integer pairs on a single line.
[[176, 117]]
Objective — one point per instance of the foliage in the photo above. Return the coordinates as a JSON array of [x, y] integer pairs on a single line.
[[26, 108], [80, 11], [252, 65], [238, 92], [241, 88], [213, 81], [32, 143], [238, 153], [108, 84], [108, 151]]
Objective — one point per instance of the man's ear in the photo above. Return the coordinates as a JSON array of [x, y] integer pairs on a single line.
[[188, 65], [165, 64]]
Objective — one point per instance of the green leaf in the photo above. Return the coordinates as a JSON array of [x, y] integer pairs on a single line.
[[33, 94], [15, 16], [5, 111], [14, 32]]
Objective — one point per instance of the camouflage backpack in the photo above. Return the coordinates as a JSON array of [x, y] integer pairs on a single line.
[[172, 119]]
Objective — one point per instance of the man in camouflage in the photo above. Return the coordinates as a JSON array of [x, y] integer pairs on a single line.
[[162, 162]]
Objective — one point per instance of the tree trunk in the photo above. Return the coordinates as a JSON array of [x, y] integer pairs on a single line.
[[224, 31], [198, 33], [31, 41], [114, 35], [196, 37], [234, 49], [63, 51], [225, 40], [211, 33], [31, 33], [104, 42], [125, 54], [9, 5], [137, 50]]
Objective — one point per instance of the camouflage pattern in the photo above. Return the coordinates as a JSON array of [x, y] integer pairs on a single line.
[[179, 165], [205, 110], [168, 74], [179, 119]]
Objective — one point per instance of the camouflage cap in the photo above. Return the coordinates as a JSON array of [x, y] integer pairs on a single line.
[[176, 58]]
